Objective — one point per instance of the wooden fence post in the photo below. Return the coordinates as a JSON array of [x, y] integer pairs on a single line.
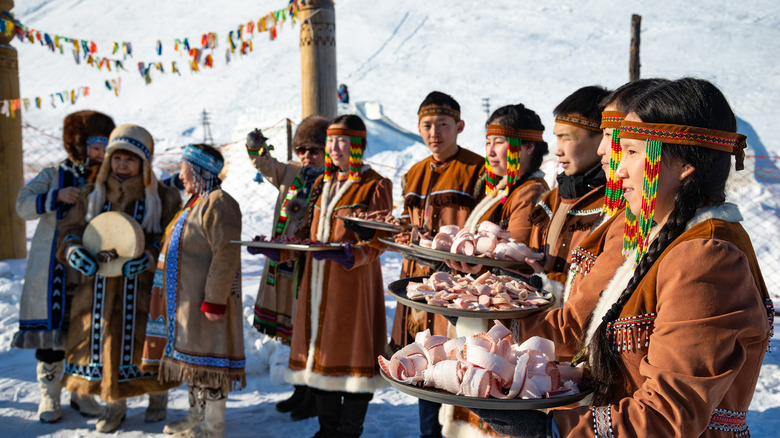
[[289, 140], [13, 237], [633, 63], [318, 59]]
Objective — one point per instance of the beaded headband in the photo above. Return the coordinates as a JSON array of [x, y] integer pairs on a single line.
[[515, 138], [438, 110], [356, 138], [202, 159], [612, 119], [97, 141], [655, 135], [582, 122], [145, 150]]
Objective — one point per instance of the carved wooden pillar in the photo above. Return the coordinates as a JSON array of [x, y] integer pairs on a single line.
[[13, 238], [318, 59]]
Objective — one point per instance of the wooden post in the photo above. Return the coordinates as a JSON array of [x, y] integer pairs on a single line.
[[289, 140], [318, 59], [633, 63], [12, 232]]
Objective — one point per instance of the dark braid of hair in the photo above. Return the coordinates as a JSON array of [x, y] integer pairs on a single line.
[[303, 230]]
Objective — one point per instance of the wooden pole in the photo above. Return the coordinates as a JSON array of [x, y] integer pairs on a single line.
[[13, 238], [633, 63], [289, 140], [318, 59]]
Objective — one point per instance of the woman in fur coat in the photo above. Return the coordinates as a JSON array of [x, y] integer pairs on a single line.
[[340, 314], [200, 277], [108, 314], [676, 341], [48, 284]]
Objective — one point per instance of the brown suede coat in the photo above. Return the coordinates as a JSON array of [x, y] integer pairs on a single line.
[[692, 338], [340, 327], [583, 215], [108, 315], [434, 195]]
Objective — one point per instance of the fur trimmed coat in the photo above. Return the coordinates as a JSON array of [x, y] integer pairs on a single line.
[[108, 315], [340, 325], [692, 337], [203, 274], [47, 282], [435, 195]]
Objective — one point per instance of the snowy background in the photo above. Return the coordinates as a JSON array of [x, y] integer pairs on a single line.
[[390, 54]]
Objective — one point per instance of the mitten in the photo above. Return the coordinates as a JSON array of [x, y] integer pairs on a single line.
[[80, 260], [255, 142], [343, 256], [272, 253], [363, 234], [133, 267]]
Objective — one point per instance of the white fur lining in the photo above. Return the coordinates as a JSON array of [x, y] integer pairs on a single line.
[[333, 383], [457, 429], [727, 212]]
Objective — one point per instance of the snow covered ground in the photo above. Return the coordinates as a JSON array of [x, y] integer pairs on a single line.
[[390, 54]]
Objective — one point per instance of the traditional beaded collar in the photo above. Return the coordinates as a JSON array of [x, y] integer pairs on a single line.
[[438, 110], [582, 122], [356, 140]]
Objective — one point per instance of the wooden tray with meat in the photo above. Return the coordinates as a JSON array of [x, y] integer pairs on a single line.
[[485, 297], [486, 371]]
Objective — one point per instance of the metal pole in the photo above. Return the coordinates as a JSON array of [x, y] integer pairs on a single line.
[[633, 64], [318, 59], [12, 231]]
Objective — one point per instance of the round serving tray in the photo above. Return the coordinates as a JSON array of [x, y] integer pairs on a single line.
[[288, 246], [444, 397], [374, 225], [392, 245], [398, 290], [441, 256]]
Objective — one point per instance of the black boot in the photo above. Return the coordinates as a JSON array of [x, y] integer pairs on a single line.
[[294, 400], [328, 412], [307, 408], [353, 413]]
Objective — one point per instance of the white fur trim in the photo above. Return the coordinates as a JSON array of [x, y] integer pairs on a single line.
[[727, 212], [555, 287], [569, 282], [333, 383], [457, 429]]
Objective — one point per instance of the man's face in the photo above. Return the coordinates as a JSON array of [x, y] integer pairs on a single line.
[[440, 134], [576, 148], [311, 156]]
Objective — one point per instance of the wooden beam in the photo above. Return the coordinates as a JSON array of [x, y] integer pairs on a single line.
[[633, 63], [318, 59]]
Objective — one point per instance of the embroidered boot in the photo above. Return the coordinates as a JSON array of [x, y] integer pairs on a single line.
[[112, 417], [86, 405], [191, 419], [212, 424], [49, 381], [158, 407]]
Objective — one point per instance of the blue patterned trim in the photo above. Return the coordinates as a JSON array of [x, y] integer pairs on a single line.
[[156, 327], [40, 203], [172, 279], [97, 141], [94, 371], [214, 362], [135, 143], [602, 421], [98, 301], [729, 421], [53, 200], [128, 313], [201, 159]]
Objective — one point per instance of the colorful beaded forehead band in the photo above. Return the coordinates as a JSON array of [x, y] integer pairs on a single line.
[[655, 135], [582, 122], [515, 138], [356, 140], [438, 110], [202, 159]]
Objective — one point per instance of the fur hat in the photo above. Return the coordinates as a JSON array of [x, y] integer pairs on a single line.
[[138, 141], [80, 126], [311, 132]]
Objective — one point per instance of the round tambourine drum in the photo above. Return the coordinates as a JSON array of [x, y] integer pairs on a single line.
[[114, 230]]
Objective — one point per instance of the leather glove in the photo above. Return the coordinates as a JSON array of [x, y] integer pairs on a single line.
[[133, 267], [272, 253], [342, 256], [452, 319], [363, 234], [520, 424], [80, 260], [255, 141]]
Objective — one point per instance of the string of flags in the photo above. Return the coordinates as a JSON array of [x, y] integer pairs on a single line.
[[86, 51], [10, 107]]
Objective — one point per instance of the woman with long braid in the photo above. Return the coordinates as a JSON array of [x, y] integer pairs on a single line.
[[676, 342]]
